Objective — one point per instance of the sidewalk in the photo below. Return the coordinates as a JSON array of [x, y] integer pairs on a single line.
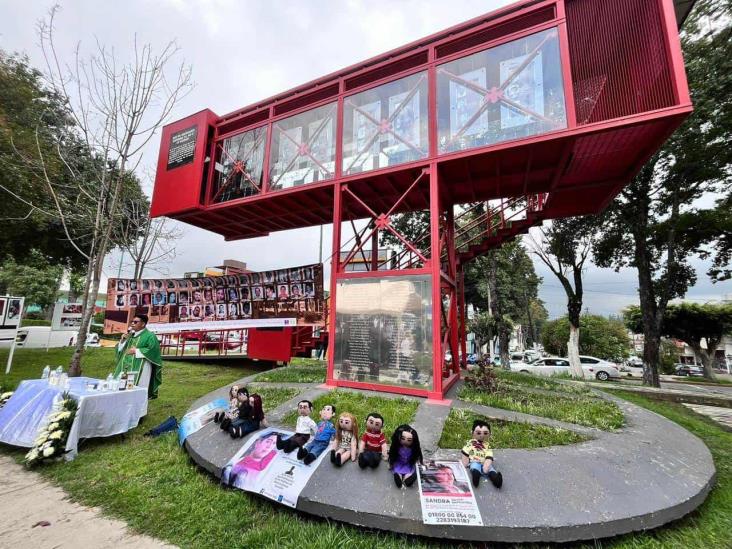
[[26, 499]]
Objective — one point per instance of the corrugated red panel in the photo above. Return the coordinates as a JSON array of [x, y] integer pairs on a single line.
[[618, 58], [387, 70]]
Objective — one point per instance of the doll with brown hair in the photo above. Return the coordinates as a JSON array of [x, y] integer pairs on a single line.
[[345, 444], [233, 405], [250, 422], [242, 409]]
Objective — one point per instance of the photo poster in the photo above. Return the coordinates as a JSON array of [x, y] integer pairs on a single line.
[[13, 310], [294, 292], [526, 89], [260, 468], [196, 419], [446, 494], [465, 102], [67, 316]]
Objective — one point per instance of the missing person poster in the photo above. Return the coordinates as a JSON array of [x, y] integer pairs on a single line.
[[260, 468], [292, 293], [446, 494], [196, 419]]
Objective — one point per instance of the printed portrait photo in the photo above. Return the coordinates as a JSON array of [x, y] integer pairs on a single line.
[[233, 310], [183, 298], [147, 299], [220, 295], [120, 301], [308, 289], [295, 291], [246, 309], [121, 286], [146, 285], [134, 300], [269, 292], [244, 292], [282, 292], [221, 310], [172, 298], [257, 293], [159, 298], [133, 285]]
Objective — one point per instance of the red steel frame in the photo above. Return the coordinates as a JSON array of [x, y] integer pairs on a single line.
[[547, 192]]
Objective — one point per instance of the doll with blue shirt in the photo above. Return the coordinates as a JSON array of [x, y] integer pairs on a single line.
[[325, 431]]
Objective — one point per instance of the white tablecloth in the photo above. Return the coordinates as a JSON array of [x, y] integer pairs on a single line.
[[100, 414]]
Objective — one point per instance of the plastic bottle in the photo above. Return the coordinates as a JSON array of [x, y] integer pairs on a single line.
[[108, 383], [46, 372]]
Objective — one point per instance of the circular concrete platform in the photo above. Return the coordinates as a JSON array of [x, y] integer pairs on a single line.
[[642, 476]]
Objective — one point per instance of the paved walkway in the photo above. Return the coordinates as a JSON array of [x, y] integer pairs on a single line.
[[35, 514], [723, 416]]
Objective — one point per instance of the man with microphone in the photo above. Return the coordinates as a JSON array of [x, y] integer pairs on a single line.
[[138, 353]]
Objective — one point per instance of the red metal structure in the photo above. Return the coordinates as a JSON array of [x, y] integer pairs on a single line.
[[541, 110]]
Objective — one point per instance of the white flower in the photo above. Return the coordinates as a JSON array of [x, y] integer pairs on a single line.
[[53, 426], [56, 435], [6, 396], [46, 444], [40, 440], [64, 415], [32, 455], [48, 452]]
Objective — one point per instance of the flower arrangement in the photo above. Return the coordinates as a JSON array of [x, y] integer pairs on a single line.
[[4, 397], [51, 440]]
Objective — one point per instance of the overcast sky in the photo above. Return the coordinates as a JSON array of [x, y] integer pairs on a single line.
[[244, 51]]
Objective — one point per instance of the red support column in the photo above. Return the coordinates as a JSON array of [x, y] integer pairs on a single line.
[[334, 270], [463, 316], [438, 355]]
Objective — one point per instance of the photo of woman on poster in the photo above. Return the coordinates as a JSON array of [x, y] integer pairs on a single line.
[[120, 301], [244, 473], [308, 273], [220, 295], [133, 285], [146, 300], [233, 294], [207, 295], [282, 293], [172, 298], [183, 298], [231, 280], [440, 478], [145, 285], [269, 292], [121, 286]]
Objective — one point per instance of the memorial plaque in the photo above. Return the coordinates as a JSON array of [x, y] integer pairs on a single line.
[[182, 147], [384, 331]]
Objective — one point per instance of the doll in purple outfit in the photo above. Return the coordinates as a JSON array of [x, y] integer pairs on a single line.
[[404, 453]]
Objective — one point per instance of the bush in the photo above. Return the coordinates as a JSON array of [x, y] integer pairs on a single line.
[[605, 338], [25, 322], [483, 378]]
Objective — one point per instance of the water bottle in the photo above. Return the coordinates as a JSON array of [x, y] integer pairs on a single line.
[[108, 382], [46, 372], [59, 371]]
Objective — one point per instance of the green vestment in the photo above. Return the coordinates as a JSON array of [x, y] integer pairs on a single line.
[[147, 344]]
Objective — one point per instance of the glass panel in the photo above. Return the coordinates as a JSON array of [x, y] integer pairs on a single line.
[[239, 165], [511, 91], [384, 331], [386, 126], [303, 148]]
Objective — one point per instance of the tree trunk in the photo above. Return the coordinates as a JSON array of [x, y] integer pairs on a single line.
[[92, 288], [651, 346], [707, 358], [575, 366]]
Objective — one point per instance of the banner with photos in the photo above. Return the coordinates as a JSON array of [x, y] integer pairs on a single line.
[[260, 468], [295, 292], [446, 494], [194, 420]]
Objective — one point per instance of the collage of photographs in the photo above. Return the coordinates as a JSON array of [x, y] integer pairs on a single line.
[[295, 292]]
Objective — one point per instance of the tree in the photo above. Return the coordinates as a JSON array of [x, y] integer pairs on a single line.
[[693, 324], [28, 222], [115, 109], [605, 338], [564, 247], [658, 222], [36, 279]]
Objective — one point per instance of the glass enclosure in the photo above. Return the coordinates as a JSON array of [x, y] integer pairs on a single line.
[[239, 165], [507, 92], [303, 148], [384, 331], [386, 126]]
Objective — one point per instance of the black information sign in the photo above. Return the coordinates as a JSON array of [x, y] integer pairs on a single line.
[[182, 147]]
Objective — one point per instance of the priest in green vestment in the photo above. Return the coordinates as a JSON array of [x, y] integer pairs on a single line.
[[138, 353]]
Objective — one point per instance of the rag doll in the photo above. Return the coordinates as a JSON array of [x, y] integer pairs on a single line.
[[373, 447], [244, 425], [345, 444], [233, 405], [242, 409], [304, 429], [404, 454], [324, 433]]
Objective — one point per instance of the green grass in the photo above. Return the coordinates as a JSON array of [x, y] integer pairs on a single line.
[[504, 434], [517, 379], [295, 374], [561, 405], [395, 410]]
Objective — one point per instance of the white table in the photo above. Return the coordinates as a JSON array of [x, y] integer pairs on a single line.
[[100, 413]]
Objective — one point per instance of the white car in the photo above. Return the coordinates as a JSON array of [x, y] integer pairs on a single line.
[[593, 368]]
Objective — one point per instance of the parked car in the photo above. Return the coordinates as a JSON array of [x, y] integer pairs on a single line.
[[593, 368], [688, 370]]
